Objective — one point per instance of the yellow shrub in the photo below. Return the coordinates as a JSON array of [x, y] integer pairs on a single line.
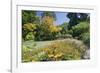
[[57, 51], [29, 27]]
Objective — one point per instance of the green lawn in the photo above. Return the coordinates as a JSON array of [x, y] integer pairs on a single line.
[[39, 44], [36, 44]]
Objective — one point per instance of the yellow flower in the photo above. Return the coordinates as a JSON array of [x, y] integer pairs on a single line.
[[58, 55]]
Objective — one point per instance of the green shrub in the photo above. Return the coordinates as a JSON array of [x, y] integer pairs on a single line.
[[85, 37], [26, 54], [79, 29], [29, 36], [63, 36], [42, 56]]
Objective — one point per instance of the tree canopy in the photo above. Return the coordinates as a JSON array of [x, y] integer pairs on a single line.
[[76, 18]]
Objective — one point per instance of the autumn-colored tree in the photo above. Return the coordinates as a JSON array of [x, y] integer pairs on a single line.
[[48, 25], [47, 30]]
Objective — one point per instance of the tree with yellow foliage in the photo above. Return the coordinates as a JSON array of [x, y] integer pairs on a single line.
[[49, 28]]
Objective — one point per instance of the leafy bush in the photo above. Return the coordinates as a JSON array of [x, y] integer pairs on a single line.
[[64, 27], [28, 31], [77, 30], [29, 17], [29, 36], [26, 54], [29, 27], [63, 36], [85, 37], [81, 32]]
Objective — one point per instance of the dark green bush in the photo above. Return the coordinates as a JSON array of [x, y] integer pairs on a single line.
[[85, 37], [63, 36], [79, 29]]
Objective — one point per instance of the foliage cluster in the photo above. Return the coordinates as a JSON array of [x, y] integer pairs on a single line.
[[69, 49], [69, 39]]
